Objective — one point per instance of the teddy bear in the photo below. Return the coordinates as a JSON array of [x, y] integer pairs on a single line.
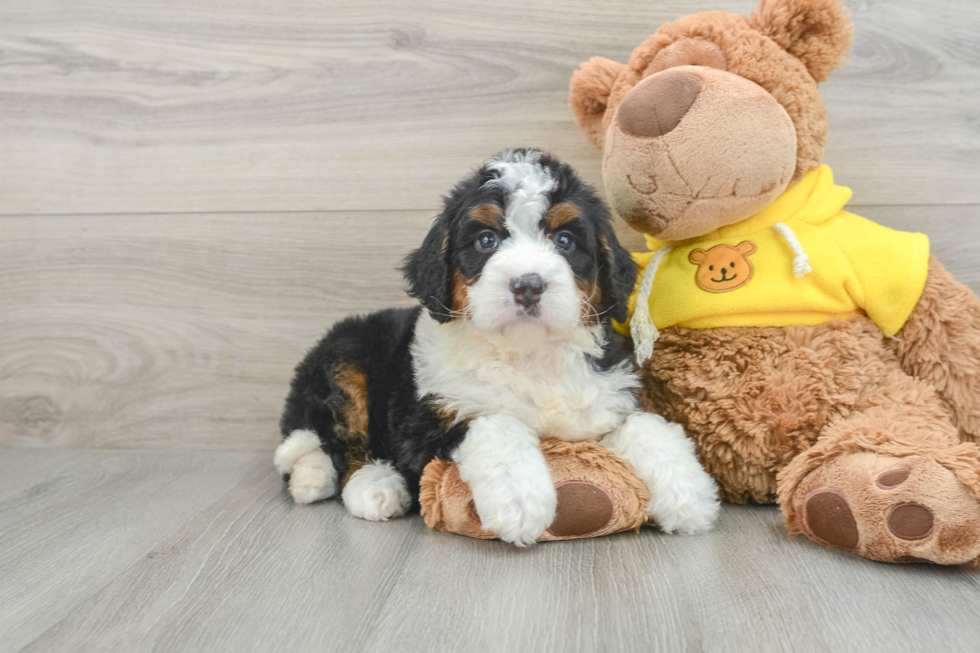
[[818, 360]]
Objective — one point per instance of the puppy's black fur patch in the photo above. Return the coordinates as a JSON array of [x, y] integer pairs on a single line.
[[402, 428]]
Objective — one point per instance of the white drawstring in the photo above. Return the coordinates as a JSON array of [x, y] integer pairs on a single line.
[[642, 328], [801, 262]]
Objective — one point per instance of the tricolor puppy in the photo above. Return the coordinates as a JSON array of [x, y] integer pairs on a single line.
[[518, 280]]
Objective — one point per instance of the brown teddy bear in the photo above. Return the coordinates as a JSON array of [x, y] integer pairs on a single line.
[[818, 360]]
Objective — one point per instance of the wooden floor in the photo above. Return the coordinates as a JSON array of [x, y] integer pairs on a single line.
[[191, 192], [192, 551]]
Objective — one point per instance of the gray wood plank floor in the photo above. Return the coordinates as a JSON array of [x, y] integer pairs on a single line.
[[181, 551]]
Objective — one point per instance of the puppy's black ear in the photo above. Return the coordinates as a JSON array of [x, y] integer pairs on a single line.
[[427, 269], [617, 273]]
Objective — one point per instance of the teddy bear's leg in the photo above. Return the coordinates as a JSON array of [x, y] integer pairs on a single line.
[[940, 344], [890, 481]]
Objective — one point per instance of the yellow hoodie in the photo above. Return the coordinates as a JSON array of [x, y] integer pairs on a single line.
[[802, 260]]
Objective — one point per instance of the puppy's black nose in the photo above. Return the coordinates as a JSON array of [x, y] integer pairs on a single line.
[[527, 289]]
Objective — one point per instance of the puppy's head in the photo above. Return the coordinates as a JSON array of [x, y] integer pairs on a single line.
[[522, 245]]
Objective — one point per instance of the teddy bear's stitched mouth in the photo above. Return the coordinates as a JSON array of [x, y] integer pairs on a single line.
[[724, 278], [651, 181]]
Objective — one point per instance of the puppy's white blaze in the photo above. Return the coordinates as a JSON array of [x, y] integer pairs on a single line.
[[521, 171], [527, 183], [683, 497], [501, 462], [376, 492]]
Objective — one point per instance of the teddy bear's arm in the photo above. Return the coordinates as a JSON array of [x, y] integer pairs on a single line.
[[940, 343]]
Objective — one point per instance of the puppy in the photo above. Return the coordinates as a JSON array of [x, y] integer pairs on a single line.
[[518, 280]]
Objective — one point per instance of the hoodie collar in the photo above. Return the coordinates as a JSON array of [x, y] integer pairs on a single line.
[[813, 199]]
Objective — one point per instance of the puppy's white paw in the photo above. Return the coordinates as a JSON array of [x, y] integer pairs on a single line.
[[376, 492], [501, 460], [683, 497], [313, 478], [518, 509], [686, 504]]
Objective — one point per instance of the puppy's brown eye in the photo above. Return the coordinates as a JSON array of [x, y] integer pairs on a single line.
[[563, 240], [486, 241]]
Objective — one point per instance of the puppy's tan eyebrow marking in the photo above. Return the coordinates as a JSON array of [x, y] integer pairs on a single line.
[[561, 214], [489, 214]]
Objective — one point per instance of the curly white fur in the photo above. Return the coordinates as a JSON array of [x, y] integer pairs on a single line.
[[547, 383], [502, 463], [683, 497], [312, 476], [376, 492]]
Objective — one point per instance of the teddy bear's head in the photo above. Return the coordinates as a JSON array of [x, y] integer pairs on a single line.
[[715, 114]]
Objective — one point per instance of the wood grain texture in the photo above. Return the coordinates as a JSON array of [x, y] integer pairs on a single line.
[[262, 105], [135, 551], [163, 331], [70, 522], [182, 331]]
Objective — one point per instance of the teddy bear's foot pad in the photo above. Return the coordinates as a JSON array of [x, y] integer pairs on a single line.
[[830, 519], [891, 509]]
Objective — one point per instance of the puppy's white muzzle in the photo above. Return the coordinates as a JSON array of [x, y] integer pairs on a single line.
[[525, 282]]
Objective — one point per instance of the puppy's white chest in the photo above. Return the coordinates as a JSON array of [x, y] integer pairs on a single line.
[[571, 404], [554, 388]]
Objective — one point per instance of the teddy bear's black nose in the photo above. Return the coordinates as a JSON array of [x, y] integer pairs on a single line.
[[657, 104], [527, 289]]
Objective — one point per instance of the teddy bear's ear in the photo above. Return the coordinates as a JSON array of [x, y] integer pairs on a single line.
[[589, 93], [817, 32]]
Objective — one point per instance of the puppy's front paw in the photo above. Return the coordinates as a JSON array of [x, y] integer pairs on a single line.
[[687, 504], [683, 497], [517, 509]]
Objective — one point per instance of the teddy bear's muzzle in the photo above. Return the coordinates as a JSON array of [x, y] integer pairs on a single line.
[[694, 148]]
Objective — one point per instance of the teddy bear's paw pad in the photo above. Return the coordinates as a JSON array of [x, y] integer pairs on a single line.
[[892, 478], [583, 508], [911, 521], [905, 510], [830, 519]]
